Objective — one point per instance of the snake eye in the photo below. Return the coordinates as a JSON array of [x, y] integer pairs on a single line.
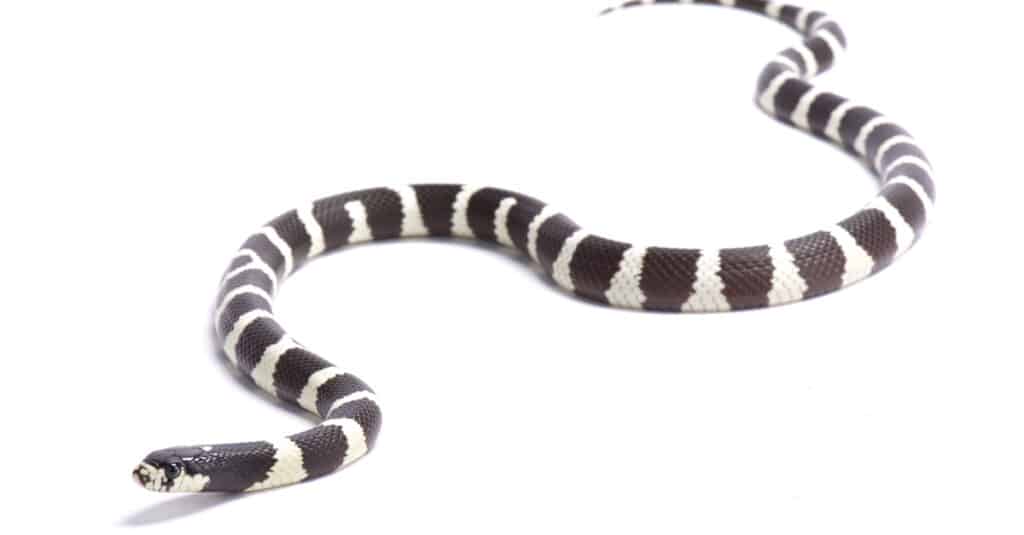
[[172, 470]]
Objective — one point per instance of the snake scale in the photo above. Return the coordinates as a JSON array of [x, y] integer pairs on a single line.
[[596, 268]]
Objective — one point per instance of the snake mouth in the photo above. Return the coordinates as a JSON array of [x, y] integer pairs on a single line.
[[148, 476]]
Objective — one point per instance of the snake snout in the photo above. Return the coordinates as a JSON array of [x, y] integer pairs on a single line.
[[141, 475], [145, 475]]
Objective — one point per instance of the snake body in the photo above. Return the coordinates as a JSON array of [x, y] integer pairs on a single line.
[[596, 268]]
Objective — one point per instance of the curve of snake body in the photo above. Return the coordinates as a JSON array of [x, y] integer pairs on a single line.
[[596, 268]]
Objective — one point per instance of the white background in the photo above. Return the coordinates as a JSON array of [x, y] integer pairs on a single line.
[[140, 142]]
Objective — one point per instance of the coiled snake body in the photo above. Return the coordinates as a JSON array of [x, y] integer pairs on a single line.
[[596, 268]]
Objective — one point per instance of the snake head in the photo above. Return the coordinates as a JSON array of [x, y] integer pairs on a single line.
[[171, 470]]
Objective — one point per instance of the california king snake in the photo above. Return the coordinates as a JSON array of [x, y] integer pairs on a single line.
[[599, 269]]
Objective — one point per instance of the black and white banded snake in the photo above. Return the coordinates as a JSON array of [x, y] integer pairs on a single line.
[[599, 269]]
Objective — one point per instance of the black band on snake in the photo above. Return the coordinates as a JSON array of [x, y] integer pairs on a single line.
[[593, 267]]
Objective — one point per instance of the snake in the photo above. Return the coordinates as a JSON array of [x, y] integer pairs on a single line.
[[595, 268]]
